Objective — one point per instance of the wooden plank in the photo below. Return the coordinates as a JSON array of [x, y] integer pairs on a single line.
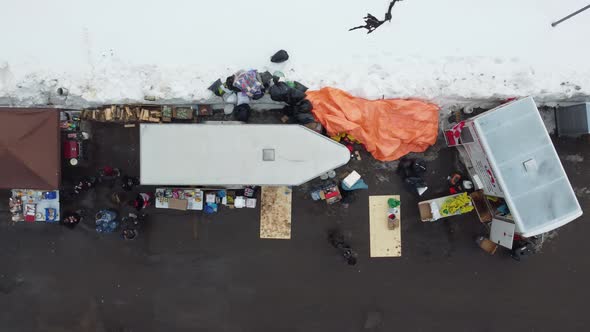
[[384, 241], [275, 213]]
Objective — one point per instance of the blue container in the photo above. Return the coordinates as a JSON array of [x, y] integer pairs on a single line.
[[113, 226], [106, 215]]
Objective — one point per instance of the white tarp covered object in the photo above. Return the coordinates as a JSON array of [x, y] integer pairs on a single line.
[[234, 154], [525, 167]]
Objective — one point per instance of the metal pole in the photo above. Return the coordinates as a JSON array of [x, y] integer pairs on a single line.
[[570, 16]]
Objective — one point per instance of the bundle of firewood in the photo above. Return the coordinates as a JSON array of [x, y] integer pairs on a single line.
[[117, 113]]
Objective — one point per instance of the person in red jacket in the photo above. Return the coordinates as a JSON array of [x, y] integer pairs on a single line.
[[142, 200]]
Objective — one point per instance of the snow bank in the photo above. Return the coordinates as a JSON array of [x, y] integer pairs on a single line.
[[445, 51]]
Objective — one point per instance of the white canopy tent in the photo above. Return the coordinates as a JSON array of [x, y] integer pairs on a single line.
[[511, 152], [235, 154]]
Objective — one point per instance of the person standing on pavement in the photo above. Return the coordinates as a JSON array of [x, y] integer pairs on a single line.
[[129, 233], [142, 201], [337, 240], [71, 219], [129, 182]]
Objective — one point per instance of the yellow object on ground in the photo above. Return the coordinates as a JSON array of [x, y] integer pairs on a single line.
[[340, 136], [275, 213], [384, 242], [456, 205]]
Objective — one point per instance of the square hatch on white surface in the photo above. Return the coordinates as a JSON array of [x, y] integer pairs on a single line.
[[268, 154]]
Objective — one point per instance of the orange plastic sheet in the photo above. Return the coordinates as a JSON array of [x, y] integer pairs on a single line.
[[389, 128]]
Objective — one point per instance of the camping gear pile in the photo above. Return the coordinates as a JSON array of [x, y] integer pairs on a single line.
[[328, 192], [393, 220], [245, 85], [206, 200], [73, 138], [34, 205], [411, 171]]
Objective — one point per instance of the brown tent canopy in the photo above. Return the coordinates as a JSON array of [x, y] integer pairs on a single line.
[[29, 148]]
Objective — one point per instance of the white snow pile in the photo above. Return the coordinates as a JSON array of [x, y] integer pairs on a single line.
[[445, 51]]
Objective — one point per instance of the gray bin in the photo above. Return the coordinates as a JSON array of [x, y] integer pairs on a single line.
[[573, 120]]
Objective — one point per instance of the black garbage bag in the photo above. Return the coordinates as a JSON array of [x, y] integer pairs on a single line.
[[276, 79], [294, 96], [265, 79], [215, 88], [279, 91], [229, 83], [300, 86], [242, 112], [288, 110], [303, 106], [409, 167], [404, 166], [280, 56], [304, 118], [258, 95], [415, 185]]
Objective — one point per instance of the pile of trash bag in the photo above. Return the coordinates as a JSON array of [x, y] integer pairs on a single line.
[[238, 89], [244, 86], [298, 108], [411, 171]]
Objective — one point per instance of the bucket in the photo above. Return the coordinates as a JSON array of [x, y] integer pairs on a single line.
[[62, 92]]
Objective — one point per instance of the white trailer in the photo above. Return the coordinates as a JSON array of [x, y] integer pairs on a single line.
[[235, 154], [510, 156]]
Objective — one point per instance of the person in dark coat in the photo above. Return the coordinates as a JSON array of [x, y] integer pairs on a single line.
[[71, 219], [337, 240], [129, 182], [129, 233]]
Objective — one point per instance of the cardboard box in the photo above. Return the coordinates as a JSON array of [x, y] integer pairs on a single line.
[[482, 209], [204, 110], [351, 179], [178, 204], [425, 212], [251, 203], [183, 113], [488, 246]]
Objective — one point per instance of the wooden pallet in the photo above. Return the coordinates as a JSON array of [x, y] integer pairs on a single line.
[[275, 213], [384, 242]]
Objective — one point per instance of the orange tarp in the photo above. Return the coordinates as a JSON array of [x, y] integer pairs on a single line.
[[389, 128]]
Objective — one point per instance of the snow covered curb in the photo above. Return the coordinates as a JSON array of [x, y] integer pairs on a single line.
[[447, 82], [447, 52]]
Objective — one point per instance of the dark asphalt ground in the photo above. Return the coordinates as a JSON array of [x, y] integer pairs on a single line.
[[190, 272]]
